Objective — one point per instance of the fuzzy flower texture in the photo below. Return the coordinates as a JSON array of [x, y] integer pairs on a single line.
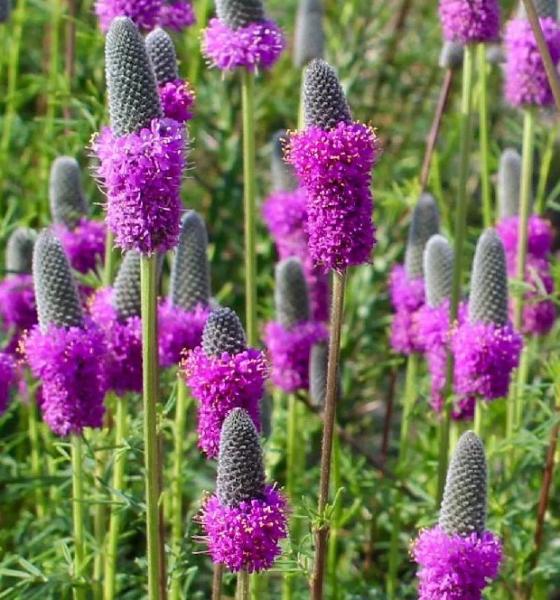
[[147, 14], [141, 172], [71, 366], [335, 167], [7, 379], [18, 309], [177, 100], [470, 21], [220, 384], [455, 567], [539, 313], [407, 297], [255, 46], [84, 244], [526, 82]]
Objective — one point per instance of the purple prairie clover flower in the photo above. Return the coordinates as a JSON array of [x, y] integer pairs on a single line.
[[224, 374], [539, 238], [145, 13], [142, 154], [18, 309], [407, 297], [526, 82], [455, 567], [177, 99], [84, 244], [177, 14], [246, 519], [470, 21], [8, 379], [179, 331], [124, 344]]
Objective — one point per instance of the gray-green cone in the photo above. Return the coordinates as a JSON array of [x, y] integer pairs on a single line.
[[126, 288], [283, 175], [488, 300], [463, 508], [56, 293], [5, 10], [66, 196], [240, 461], [131, 82], [509, 183], [324, 101], [451, 55], [544, 8], [239, 13], [423, 225], [318, 364], [161, 51], [19, 250], [290, 294], [190, 273], [438, 270], [309, 37], [223, 332]]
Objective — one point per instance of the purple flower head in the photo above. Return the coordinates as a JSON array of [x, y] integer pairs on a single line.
[[224, 374], [84, 244], [539, 312], [123, 337], [179, 330], [246, 519], [145, 13], [407, 297], [526, 82], [7, 379], [177, 99], [455, 567], [253, 47], [539, 238], [18, 309], [142, 155], [177, 14], [470, 21]]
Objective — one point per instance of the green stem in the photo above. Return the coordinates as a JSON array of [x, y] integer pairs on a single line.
[[487, 211], [78, 517], [242, 586], [524, 209], [394, 554], [109, 266], [150, 370], [544, 172], [217, 582], [249, 192], [522, 377], [291, 448], [478, 417], [460, 226], [332, 558], [197, 58], [119, 464], [177, 482], [301, 106], [410, 392], [36, 469]]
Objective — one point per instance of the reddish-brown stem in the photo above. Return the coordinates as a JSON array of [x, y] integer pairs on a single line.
[[436, 125], [322, 531]]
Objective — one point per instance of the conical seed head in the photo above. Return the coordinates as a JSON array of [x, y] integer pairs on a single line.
[[309, 40], [463, 508], [19, 250], [223, 332], [66, 196], [438, 270], [190, 273], [318, 367], [133, 93], [324, 102], [451, 56], [240, 461], [240, 13], [544, 8], [127, 287], [283, 174], [290, 295], [488, 301], [56, 293], [161, 51], [5, 9], [424, 224], [509, 183]]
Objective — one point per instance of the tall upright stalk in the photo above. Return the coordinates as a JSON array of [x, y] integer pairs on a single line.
[[36, 470], [460, 227], [322, 530], [111, 556], [242, 586], [487, 212], [109, 266], [150, 371], [544, 171], [177, 481], [249, 192], [217, 582], [78, 516], [332, 557]]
